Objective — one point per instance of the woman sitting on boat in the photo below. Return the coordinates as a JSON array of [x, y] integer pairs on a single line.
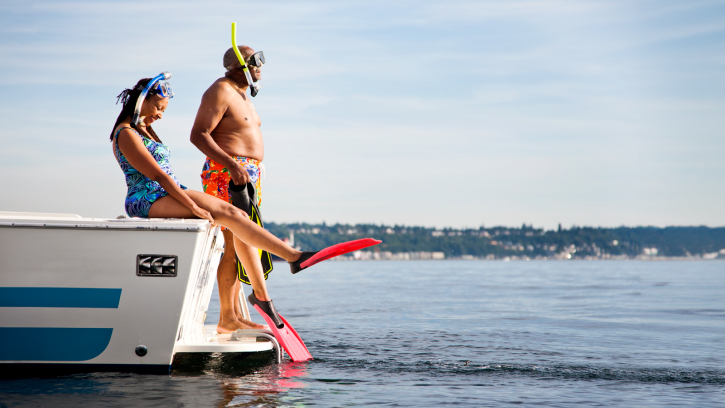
[[154, 192]]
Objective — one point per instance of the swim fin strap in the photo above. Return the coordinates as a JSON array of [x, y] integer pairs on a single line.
[[245, 198], [286, 335], [310, 258]]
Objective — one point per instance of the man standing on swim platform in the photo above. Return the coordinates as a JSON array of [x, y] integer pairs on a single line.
[[226, 129]]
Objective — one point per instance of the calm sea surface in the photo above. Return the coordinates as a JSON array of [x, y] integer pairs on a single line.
[[467, 333]]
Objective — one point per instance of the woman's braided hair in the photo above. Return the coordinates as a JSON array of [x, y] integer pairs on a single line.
[[128, 99]]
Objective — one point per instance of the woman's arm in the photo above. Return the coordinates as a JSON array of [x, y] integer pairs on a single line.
[[135, 152]]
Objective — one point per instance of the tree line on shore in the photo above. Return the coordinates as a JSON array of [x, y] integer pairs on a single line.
[[500, 242]]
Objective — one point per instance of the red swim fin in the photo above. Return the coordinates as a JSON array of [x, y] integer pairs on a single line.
[[302, 351], [310, 258], [287, 337]]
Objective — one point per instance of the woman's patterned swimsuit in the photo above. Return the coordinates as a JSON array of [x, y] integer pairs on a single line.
[[142, 191]]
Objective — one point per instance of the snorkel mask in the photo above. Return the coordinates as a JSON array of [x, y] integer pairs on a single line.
[[156, 86], [256, 60], [163, 89]]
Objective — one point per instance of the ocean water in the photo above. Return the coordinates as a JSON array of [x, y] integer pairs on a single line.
[[455, 333]]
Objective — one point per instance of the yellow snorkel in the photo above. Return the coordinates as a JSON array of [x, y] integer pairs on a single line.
[[252, 85]]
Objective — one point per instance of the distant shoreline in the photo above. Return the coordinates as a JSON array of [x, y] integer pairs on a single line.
[[501, 243], [406, 257]]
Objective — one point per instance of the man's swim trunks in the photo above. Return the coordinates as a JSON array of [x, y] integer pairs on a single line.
[[142, 191], [215, 177]]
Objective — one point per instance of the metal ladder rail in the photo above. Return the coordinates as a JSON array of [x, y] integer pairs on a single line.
[[275, 343]]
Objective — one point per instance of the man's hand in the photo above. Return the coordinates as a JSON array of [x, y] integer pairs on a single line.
[[239, 174]]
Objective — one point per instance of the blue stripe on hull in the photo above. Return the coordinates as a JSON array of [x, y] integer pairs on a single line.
[[20, 370], [52, 343], [60, 297]]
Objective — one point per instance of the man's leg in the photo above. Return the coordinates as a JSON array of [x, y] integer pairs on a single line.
[[216, 179], [230, 317], [237, 307]]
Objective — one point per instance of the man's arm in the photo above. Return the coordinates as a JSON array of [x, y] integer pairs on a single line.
[[214, 104]]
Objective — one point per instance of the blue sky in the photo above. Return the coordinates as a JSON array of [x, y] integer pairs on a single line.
[[455, 113]]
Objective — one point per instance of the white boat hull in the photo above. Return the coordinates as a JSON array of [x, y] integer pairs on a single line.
[[72, 292]]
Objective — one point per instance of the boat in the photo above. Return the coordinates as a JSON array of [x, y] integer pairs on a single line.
[[129, 294]]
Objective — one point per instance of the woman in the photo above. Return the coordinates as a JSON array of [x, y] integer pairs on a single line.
[[154, 191]]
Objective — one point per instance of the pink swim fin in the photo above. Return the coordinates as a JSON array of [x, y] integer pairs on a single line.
[[310, 258], [285, 334]]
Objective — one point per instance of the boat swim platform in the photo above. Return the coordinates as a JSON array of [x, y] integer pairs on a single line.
[[205, 339]]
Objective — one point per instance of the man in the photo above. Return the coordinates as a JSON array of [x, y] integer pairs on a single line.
[[226, 129]]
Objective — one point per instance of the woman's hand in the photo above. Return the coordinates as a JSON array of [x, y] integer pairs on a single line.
[[203, 214]]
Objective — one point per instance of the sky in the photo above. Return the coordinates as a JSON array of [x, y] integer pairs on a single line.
[[446, 114]]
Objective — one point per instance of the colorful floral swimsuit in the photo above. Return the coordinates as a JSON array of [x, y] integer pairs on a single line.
[[142, 191]]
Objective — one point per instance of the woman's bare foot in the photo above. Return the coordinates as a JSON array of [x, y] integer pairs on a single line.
[[295, 257]]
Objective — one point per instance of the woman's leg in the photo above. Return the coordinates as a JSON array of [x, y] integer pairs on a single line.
[[229, 216], [227, 272], [249, 256]]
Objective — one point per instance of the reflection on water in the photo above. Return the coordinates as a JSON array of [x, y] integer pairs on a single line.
[[245, 381], [196, 380]]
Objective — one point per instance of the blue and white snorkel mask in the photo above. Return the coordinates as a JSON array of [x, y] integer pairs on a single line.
[[158, 85], [163, 89]]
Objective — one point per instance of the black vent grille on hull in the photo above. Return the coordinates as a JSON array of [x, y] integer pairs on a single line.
[[156, 265]]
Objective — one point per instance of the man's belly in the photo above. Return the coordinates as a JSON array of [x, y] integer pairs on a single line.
[[252, 147]]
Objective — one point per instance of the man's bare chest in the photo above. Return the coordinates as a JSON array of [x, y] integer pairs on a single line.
[[241, 114]]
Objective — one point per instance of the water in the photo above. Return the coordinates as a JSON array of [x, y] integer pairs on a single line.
[[468, 333]]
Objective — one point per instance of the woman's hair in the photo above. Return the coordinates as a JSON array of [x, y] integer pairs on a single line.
[[128, 98]]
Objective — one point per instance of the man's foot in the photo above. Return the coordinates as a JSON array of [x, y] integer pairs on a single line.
[[251, 324], [230, 327]]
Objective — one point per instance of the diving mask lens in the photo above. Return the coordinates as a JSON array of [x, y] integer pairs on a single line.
[[164, 89], [257, 59]]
